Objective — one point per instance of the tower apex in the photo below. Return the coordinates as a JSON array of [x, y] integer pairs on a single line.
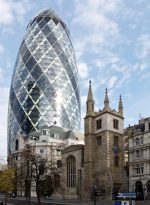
[[90, 101], [106, 101], [120, 106]]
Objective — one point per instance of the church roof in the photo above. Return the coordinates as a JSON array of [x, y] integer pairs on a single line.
[[62, 132], [72, 148]]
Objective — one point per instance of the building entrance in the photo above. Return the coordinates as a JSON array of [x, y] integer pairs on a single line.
[[139, 190]]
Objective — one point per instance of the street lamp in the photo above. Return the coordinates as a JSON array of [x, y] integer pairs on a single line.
[[95, 190], [96, 193]]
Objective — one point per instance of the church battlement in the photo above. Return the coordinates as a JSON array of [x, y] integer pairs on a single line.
[[106, 118], [112, 111], [106, 109]]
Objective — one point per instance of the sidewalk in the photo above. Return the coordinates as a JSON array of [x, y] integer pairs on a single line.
[[77, 202], [22, 201]]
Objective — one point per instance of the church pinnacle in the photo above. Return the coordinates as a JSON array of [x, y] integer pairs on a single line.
[[106, 102], [90, 101], [120, 106]]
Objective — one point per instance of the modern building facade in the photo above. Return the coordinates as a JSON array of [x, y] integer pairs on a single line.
[[139, 158], [44, 88]]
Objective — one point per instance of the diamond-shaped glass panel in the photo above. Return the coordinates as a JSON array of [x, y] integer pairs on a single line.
[[45, 79]]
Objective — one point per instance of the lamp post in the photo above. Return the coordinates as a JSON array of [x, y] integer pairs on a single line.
[[95, 193]]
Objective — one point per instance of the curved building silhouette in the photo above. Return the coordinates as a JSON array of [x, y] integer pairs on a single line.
[[44, 88]]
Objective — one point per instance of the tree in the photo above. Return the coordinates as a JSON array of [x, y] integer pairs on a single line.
[[47, 187], [6, 180], [33, 171]]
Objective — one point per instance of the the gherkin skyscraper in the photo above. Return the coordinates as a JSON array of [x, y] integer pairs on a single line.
[[44, 88]]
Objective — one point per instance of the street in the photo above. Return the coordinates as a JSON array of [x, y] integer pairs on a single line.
[[22, 201]]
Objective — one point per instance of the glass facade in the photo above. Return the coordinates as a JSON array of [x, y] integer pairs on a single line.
[[44, 88]]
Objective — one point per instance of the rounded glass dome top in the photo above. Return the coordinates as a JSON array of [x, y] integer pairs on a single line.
[[44, 88]]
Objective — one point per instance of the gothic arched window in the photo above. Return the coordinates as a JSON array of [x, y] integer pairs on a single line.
[[71, 171], [16, 145]]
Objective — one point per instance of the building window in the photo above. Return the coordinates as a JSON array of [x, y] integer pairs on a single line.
[[115, 124], [99, 140], [16, 145], [59, 163], [98, 124], [116, 140], [141, 140], [138, 154], [56, 136], [44, 132], [137, 141], [142, 168], [71, 171], [16, 157], [58, 152], [149, 125], [57, 181], [52, 134], [116, 160], [139, 168], [141, 154], [82, 158]]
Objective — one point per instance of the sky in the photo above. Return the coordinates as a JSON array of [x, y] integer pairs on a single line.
[[111, 39]]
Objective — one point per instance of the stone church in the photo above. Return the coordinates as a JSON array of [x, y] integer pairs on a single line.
[[98, 166], [86, 164]]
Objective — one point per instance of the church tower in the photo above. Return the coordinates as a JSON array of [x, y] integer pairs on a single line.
[[104, 151], [88, 151]]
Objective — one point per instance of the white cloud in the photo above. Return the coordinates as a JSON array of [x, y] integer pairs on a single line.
[[3, 120], [103, 81], [2, 73], [12, 10], [112, 81], [83, 70], [103, 38], [143, 46], [6, 12], [95, 22], [1, 49]]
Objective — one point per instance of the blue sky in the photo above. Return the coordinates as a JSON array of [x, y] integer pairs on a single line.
[[111, 39]]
